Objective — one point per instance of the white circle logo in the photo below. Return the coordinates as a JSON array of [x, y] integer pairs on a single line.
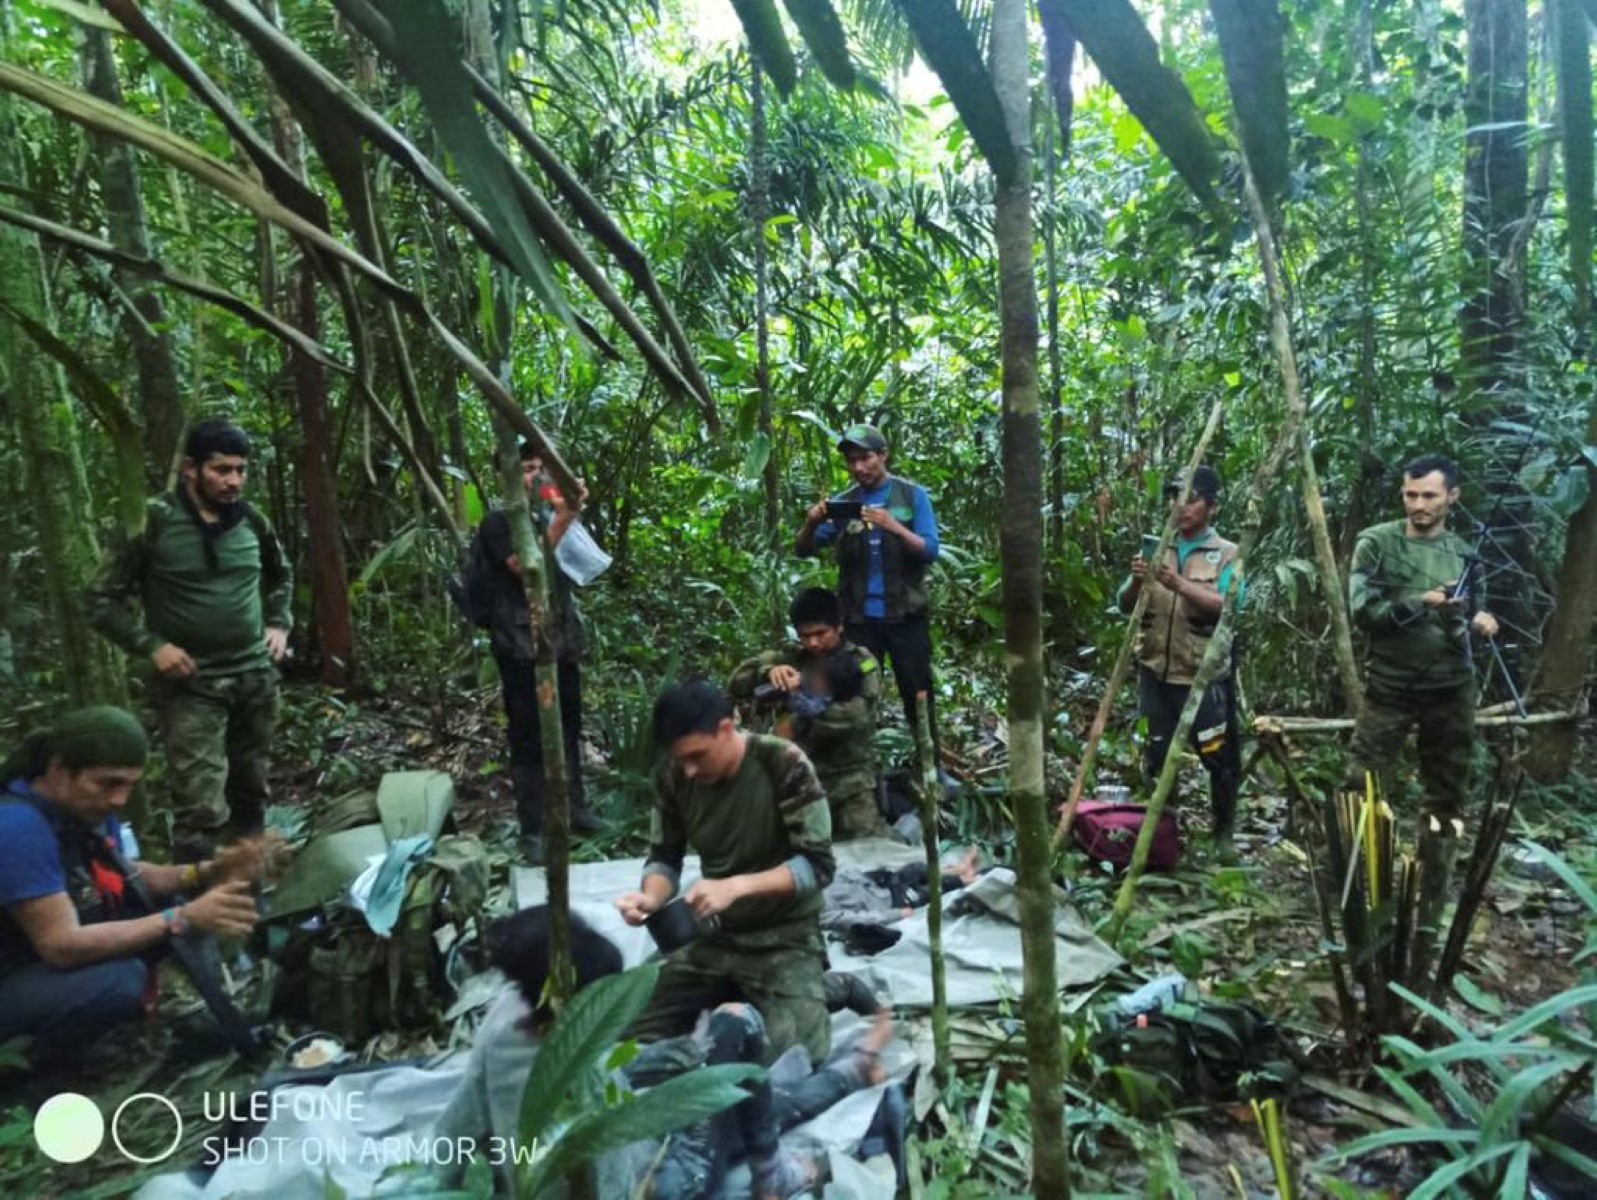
[[68, 1127], [177, 1133]]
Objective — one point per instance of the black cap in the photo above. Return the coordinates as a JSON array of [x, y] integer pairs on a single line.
[[862, 437], [1205, 484]]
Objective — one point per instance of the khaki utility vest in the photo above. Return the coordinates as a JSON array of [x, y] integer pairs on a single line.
[[1175, 634]]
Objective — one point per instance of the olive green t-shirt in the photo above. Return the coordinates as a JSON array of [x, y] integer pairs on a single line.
[[1411, 647], [770, 812]]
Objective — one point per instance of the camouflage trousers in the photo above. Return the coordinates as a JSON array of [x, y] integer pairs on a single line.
[[217, 731], [855, 812], [784, 981], [1444, 721]]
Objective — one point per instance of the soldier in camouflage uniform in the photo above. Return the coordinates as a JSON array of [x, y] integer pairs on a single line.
[[752, 808], [1419, 675], [1405, 590], [204, 592], [839, 737]]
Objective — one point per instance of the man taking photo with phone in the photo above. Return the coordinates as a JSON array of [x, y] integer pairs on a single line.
[[886, 535], [1186, 592]]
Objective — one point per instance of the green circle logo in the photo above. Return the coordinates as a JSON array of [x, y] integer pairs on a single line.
[[68, 1127]]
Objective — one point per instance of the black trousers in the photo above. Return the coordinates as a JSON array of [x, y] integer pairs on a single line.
[[526, 742], [1214, 736], [906, 645]]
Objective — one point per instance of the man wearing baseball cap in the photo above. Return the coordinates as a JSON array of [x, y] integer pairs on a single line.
[[882, 556], [1185, 595]]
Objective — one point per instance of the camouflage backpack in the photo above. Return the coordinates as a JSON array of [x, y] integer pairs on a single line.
[[1194, 1052], [361, 983]]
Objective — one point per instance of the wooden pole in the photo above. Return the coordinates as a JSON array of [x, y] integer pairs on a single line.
[[1100, 720], [931, 788]]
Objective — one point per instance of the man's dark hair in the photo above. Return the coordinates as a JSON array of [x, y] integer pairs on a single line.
[[530, 450], [1426, 463], [215, 436], [692, 706], [844, 678], [519, 946], [815, 606]]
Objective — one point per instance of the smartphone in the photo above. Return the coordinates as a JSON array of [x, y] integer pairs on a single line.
[[844, 510], [1150, 546]]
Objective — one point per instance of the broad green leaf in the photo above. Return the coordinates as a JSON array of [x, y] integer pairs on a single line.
[[758, 455], [1330, 126], [1367, 110], [1118, 41], [648, 1116], [1571, 877], [424, 49], [822, 31], [1476, 997], [762, 25], [1251, 34], [586, 1030], [950, 49], [1128, 132]]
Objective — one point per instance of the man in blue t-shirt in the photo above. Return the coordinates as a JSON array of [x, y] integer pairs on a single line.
[[76, 944], [885, 535]]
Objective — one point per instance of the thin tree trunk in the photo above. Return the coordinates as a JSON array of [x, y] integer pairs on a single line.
[[160, 394], [1060, 46], [759, 213], [1020, 552], [931, 789], [1213, 658], [1117, 675], [329, 579], [537, 571], [1292, 392]]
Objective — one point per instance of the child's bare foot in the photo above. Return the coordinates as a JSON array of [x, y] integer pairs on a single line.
[[965, 868], [784, 1175]]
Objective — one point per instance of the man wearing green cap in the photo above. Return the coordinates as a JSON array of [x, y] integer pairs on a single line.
[[204, 593], [76, 943], [882, 556], [1186, 594]]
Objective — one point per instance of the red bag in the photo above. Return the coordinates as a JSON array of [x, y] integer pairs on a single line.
[[1108, 831]]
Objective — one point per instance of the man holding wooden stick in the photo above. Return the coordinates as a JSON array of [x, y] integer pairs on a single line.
[[1185, 595]]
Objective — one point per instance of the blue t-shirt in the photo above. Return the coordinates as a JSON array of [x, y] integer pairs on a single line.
[[923, 522], [30, 863]]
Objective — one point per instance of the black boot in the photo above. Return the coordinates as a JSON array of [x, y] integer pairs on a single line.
[[528, 782]]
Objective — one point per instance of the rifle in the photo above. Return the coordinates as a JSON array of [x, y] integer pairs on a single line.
[[240, 1034], [1464, 588]]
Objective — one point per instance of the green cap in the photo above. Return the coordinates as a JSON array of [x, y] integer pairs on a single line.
[[862, 437]]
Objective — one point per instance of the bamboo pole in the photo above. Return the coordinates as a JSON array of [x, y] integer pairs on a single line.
[[931, 787], [1268, 725], [1297, 414], [1100, 720], [1214, 655]]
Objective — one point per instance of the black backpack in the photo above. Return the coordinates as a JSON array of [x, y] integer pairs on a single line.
[[472, 587]]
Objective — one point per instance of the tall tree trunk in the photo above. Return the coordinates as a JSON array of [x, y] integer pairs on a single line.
[[48, 435], [1020, 550], [160, 395], [759, 213], [1567, 648], [1060, 46], [1566, 651], [1496, 205], [1355, 514], [329, 578], [538, 567]]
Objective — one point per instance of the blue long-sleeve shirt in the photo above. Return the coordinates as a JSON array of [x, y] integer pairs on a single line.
[[923, 523]]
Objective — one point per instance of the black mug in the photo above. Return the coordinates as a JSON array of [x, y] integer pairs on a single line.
[[672, 926]]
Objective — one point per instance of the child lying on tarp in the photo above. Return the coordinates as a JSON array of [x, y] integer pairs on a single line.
[[861, 906], [696, 1161]]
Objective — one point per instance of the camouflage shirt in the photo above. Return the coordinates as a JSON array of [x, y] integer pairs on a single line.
[[840, 741], [771, 813], [1411, 647]]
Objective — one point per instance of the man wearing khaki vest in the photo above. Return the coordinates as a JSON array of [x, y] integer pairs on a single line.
[[1185, 595]]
